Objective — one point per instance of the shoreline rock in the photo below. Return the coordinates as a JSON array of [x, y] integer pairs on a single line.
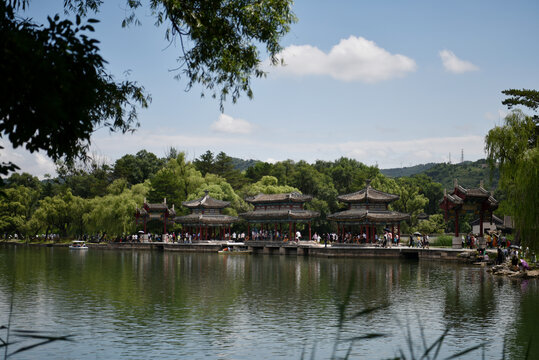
[[513, 272]]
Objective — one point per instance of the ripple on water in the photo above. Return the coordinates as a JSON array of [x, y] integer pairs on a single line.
[[141, 305]]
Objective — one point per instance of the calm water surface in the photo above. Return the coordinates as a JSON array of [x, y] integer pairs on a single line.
[[144, 304]]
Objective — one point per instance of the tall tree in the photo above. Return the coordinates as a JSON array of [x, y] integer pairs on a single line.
[[224, 167], [60, 213], [24, 179], [55, 90], [113, 213], [513, 147], [267, 185], [205, 163], [137, 168], [220, 39], [525, 97], [175, 181], [17, 205]]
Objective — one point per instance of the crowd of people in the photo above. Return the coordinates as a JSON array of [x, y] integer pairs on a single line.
[[419, 240], [493, 241]]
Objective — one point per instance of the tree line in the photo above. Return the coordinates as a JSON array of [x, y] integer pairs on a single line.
[[97, 198]]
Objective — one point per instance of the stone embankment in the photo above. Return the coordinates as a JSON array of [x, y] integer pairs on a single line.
[[507, 269]]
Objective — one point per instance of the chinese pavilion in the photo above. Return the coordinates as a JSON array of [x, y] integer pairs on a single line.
[[277, 209], [477, 202], [206, 219], [368, 208], [159, 212]]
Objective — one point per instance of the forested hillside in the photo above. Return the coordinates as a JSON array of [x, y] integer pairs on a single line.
[[242, 165], [407, 171], [468, 173]]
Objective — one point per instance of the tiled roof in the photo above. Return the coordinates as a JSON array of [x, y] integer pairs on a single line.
[[280, 214], [278, 198], [495, 220], [206, 202], [151, 210], [368, 194], [156, 207], [475, 192], [206, 219], [454, 199], [362, 215], [141, 212]]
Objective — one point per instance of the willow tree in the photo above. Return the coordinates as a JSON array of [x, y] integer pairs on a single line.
[[513, 147]]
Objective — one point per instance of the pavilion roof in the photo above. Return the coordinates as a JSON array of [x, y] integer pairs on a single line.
[[206, 219], [280, 215], [162, 207], [461, 195], [479, 192], [368, 194], [206, 202], [141, 212], [365, 216], [278, 198], [455, 199], [495, 220]]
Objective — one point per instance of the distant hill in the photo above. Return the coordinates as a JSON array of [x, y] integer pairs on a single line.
[[407, 171], [469, 173], [242, 165]]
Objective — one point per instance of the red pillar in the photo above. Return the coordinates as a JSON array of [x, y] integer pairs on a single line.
[[248, 230], [290, 238], [481, 215], [456, 223], [399, 231], [309, 230]]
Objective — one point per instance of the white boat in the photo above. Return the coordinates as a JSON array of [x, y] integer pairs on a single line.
[[78, 245], [237, 251]]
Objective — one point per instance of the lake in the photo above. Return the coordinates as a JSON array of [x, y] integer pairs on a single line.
[[163, 305]]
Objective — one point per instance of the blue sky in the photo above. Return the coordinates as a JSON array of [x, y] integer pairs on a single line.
[[392, 83]]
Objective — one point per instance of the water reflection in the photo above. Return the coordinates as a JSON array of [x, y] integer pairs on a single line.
[[141, 304]]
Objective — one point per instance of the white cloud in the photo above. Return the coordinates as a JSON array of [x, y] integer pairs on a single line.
[[455, 65], [412, 152], [34, 163], [387, 154], [352, 59], [272, 148], [227, 124]]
